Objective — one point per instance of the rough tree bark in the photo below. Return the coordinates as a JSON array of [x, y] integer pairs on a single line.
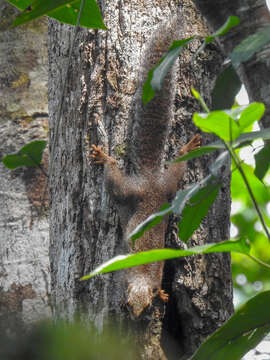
[[85, 228], [24, 238]]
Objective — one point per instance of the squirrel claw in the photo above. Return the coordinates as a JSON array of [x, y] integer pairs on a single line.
[[164, 297], [99, 162], [98, 156], [193, 144]]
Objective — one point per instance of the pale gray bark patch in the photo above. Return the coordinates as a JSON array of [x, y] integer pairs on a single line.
[[24, 243]]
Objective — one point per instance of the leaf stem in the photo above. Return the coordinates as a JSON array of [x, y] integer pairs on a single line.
[[37, 164], [259, 261], [239, 167]]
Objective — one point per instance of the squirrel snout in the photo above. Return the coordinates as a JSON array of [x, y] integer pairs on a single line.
[[139, 297]]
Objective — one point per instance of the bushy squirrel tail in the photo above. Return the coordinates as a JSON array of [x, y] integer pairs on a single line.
[[149, 125]]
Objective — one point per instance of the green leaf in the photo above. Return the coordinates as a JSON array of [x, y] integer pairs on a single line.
[[249, 46], [157, 74], [219, 123], [238, 188], [250, 114], [242, 140], [151, 221], [21, 4], [250, 136], [242, 332], [65, 11], [217, 145], [231, 22], [126, 261], [217, 168], [196, 210], [182, 197], [148, 92], [29, 155], [198, 96], [229, 124], [262, 162], [226, 88]]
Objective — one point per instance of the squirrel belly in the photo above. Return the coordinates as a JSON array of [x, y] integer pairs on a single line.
[[135, 201], [144, 282], [140, 295]]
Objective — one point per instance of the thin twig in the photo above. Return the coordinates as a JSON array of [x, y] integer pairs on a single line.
[[37, 164], [259, 261], [238, 165]]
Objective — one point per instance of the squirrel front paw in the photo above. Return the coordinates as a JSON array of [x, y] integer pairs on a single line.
[[193, 144], [98, 155], [163, 296]]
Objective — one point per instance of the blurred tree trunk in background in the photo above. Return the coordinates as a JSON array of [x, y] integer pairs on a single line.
[[24, 260]]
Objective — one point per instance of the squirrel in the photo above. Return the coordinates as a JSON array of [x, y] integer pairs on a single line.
[[143, 192]]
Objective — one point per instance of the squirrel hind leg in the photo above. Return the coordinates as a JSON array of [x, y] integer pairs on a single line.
[[140, 297]]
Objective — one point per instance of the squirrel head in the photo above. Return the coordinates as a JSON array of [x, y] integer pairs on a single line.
[[140, 296]]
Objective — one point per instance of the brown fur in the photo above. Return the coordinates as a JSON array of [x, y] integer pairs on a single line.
[[136, 199], [139, 195]]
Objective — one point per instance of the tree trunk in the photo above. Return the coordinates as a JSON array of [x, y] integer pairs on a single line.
[[85, 228], [24, 237]]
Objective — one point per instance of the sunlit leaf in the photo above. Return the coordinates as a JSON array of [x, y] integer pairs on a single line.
[[229, 124], [252, 113], [238, 188], [219, 123], [125, 261]]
